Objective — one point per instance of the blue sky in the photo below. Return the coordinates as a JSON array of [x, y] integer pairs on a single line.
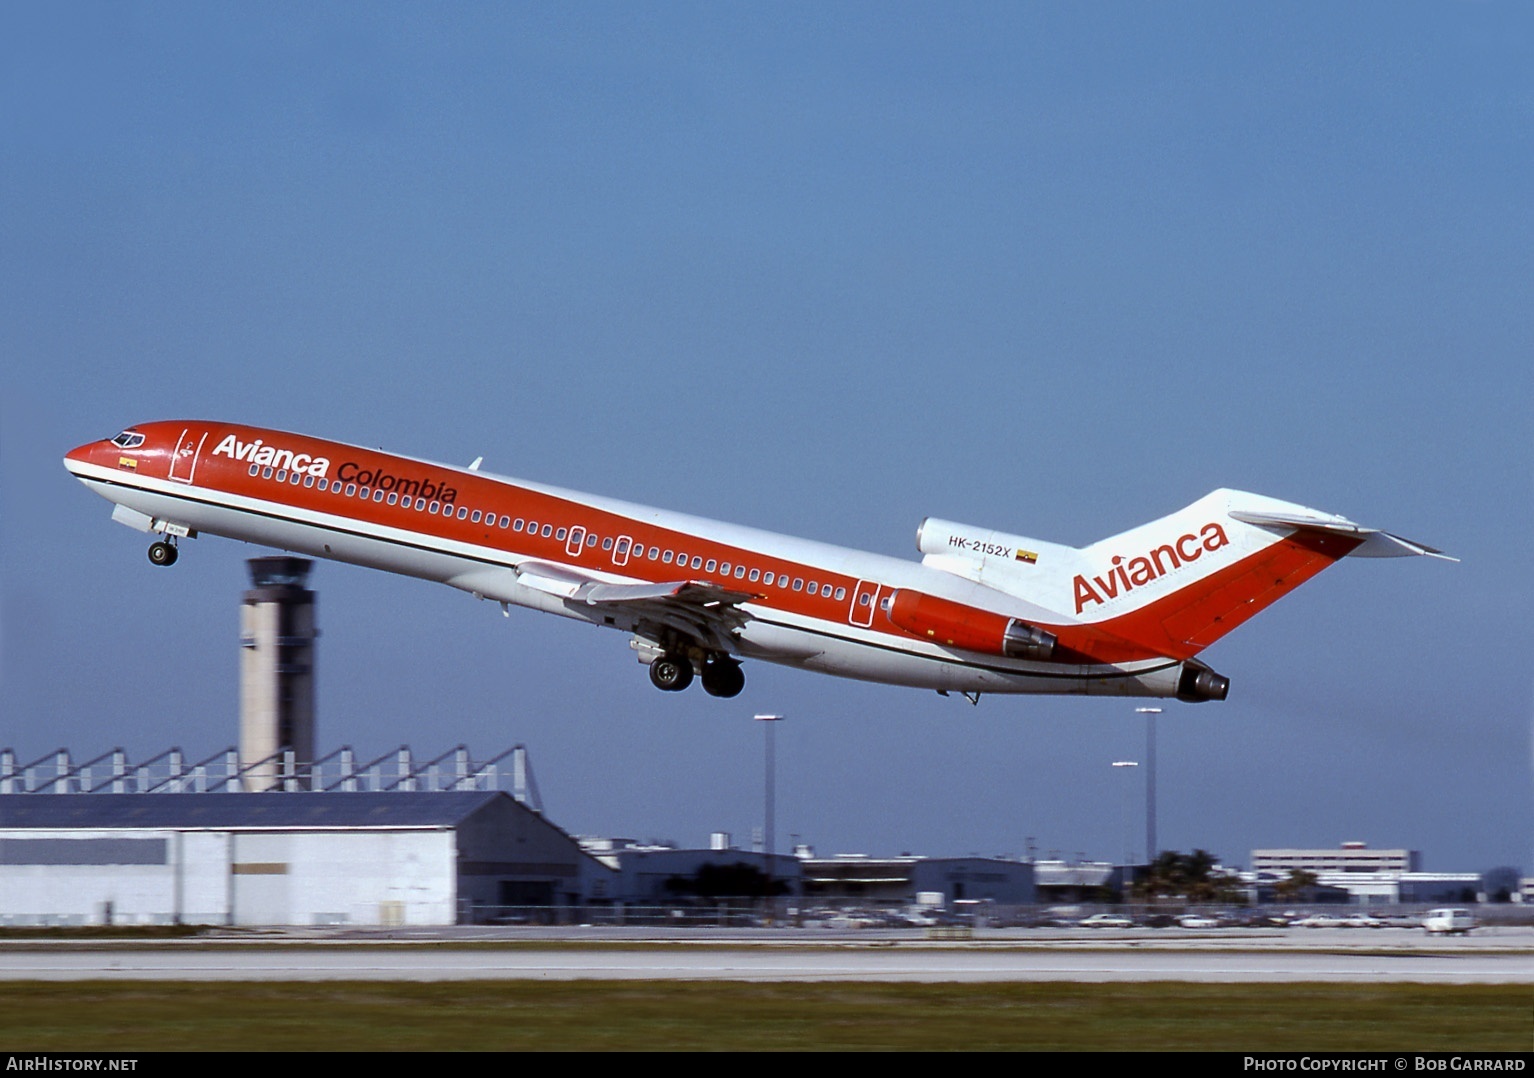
[[1055, 269]]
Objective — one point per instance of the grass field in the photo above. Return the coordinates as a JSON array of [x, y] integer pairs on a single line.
[[124, 1017]]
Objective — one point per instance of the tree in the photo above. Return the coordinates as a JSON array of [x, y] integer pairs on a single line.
[[1194, 876], [1299, 887]]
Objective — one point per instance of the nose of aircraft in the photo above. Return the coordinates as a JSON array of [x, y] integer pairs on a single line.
[[82, 454]]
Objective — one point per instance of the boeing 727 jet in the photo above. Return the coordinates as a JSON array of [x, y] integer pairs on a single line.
[[982, 612]]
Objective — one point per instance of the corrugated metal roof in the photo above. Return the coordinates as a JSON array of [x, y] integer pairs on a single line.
[[222, 811]]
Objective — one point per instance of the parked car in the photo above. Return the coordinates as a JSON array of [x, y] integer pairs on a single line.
[[1107, 920], [1321, 920], [1197, 920], [1448, 921]]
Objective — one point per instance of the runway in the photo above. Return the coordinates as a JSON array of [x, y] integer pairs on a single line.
[[884, 962]]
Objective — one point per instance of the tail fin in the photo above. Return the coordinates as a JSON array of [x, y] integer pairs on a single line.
[[1176, 585]]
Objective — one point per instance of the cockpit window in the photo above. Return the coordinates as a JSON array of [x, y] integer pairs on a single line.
[[128, 439]]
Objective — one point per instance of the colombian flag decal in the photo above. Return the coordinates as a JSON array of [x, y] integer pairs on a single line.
[[126, 462], [1027, 555]]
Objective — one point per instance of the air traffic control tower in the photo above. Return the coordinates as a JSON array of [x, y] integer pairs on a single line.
[[277, 633]]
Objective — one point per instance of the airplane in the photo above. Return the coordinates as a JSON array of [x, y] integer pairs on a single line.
[[982, 612]]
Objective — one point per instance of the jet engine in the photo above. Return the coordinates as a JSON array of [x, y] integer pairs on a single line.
[[955, 625], [1198, 683]]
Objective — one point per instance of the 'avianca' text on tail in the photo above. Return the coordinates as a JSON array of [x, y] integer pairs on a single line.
[[982, 612]]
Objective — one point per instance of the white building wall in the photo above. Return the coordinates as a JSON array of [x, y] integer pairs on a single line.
[[359, 877], [203, 879], [240, 877], [65, 893]]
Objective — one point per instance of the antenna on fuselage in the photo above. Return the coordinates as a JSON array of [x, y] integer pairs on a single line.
[[477, 462]]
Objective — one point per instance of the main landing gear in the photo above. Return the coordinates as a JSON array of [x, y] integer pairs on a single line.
[[163, 553], [673, 672], [723, 677]]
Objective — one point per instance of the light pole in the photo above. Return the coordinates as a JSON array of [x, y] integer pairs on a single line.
[[1150, 714], [769, 806], [1129, 852]]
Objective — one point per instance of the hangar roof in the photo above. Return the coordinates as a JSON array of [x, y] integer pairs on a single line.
[[223, 811]]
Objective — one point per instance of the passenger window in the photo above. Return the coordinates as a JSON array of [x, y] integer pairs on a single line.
[[548, 530], [364, 492], [841, 593], [255, 469], [666, 557], [740, 571], [308, 480], [282, 475], [378, 495], [560, 535], [798, 583], [697, 561], [351, 489], [474, 516], [591, 540], [266, 473], [607, 542], [393, 497], [710, 566], [755, 575], [768, 578], [505, 522], [463, 512]]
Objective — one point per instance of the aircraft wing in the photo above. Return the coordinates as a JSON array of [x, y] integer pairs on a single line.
[[707, 612]]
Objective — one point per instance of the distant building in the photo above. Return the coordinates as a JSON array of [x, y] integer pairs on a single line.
[[1356, 874], [656, 874], [1075, 881], [899, 880], [366, 858], [1349, 857]]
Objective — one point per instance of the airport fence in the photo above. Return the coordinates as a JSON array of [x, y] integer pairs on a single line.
[[787, 912]]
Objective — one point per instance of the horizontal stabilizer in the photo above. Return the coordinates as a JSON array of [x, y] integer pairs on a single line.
[[1375, 543]]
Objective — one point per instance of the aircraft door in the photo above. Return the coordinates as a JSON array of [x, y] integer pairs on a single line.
[[576, 542], [183, 459], [865, 600], [621, 550]]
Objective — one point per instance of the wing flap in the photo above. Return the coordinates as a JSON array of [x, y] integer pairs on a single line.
[[710, 613]]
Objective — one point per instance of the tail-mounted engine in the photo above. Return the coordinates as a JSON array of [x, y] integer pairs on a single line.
[[1198, 683], [955, 625]]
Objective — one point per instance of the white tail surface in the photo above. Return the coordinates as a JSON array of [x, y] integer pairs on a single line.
[[1189, 577]]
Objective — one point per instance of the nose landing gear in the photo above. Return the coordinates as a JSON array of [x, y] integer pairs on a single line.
[[163, 553]]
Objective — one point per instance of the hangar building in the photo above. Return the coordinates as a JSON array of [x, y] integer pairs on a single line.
[[393, 858]]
